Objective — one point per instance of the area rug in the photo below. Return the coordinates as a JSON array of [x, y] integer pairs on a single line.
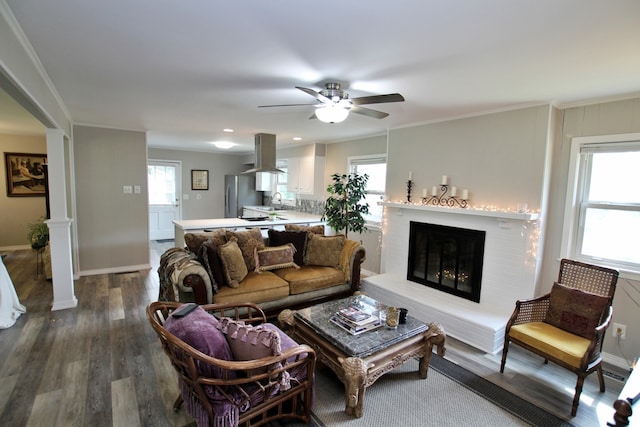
[[450, 396]]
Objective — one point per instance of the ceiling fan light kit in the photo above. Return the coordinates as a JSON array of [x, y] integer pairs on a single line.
[[332, 113]]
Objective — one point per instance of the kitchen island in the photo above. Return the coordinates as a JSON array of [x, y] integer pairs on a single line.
[[281, 219]]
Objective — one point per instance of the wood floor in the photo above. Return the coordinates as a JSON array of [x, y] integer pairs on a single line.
[[100, 364]]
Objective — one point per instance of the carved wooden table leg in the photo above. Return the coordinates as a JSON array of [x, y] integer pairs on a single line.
[[434, 336], [355, 375]]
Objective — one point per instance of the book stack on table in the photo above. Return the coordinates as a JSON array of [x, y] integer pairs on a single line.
[[356, 321]]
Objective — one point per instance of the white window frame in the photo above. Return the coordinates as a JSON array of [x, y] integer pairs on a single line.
[[353, 161], [576, 188]]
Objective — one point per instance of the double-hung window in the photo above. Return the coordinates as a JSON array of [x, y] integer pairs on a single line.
[[602, 218], [376, 167]]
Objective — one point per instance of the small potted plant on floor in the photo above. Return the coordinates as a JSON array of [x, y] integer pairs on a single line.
[[38, 234], [344, 210]]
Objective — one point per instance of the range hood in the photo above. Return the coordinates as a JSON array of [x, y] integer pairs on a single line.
[[265, 154]]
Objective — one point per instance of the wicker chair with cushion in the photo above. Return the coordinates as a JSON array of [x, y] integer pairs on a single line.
[[567, 325], [233, 367]]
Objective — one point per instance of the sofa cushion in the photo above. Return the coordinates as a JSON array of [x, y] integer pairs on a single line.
[[212, 263], [324, 250], [248, 241], [315, 229], [309, 278], [297, 238], [199, 330], [233, 264], [275, 257], [193, 241], [574, 310], [256, 288]]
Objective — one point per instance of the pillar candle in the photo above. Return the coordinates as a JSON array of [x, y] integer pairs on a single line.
[[454, 191], [424, 192], [465, 194], [445, 179], [410, 175], [434, 190]]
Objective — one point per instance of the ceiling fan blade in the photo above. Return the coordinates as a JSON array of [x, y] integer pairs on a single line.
[[368, 112], [287, 105], [320, 97], [313, 116], [378, 99]]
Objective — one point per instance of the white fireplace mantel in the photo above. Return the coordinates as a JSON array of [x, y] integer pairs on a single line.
[[500, 215]]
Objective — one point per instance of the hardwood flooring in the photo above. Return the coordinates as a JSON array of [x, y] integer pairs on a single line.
[[101, 364]]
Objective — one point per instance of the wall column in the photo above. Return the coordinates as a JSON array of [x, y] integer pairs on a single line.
[[59, 224]]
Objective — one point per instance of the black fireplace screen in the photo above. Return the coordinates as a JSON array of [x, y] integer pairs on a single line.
[[446, 258]]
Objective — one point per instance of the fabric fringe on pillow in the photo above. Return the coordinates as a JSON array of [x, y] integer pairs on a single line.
[[274, 257], [229, 414]]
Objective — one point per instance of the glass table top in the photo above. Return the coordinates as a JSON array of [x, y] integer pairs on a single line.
[[318, 319]]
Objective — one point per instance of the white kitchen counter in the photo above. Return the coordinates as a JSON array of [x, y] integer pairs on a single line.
[[199, 225]]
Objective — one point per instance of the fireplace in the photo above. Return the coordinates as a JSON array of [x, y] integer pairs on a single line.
[[446, 258]]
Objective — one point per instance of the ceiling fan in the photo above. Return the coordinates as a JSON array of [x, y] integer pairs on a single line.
[[335, 103]]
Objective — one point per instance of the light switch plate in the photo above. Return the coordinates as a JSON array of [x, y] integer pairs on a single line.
[[126, 189], [136, 189]]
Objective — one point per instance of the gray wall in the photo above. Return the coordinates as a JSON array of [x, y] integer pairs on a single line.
[[113, 230], [211, 203]]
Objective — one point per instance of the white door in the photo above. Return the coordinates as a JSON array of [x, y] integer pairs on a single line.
[[163, 178]]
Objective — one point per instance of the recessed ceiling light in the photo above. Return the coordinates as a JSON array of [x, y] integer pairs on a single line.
[[297, 138], [227, 130], [223, 144]]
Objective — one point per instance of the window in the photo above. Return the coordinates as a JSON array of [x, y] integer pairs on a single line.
[[161, 179], [281, 184], [376, 167], [603, 213]]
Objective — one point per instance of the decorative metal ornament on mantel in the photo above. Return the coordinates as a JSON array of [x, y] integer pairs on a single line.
[[409, 186], [442, 199]]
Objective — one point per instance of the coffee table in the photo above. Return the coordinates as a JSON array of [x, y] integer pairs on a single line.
[[359, 360]]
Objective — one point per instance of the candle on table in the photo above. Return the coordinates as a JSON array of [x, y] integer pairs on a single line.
[[465, 194], [434, 190], [445, 178], [454, 191], [424, 192]]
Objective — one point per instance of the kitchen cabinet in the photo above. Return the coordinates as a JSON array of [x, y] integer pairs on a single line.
[[304, 174], [265, 181]]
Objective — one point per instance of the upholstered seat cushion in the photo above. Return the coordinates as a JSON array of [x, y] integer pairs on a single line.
[[309, 278], [256, 288], [562, 345]]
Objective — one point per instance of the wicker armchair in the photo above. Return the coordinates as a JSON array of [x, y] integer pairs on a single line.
[[555, 325], [253, 389]]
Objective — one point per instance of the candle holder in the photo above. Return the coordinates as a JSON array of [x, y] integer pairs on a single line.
[[442, 200], [409, 186]]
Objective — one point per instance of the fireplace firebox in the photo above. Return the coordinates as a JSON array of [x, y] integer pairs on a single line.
[[445, 258]]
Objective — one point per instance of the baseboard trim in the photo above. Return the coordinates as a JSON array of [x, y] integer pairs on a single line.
[[122, 269]]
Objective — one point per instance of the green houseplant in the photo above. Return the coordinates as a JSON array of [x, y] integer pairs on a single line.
[[343, 209], [38, 233]]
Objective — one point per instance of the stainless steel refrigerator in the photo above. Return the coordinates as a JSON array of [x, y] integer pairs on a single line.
[[239, 191]]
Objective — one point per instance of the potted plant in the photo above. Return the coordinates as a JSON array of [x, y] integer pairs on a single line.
[[38, 233], [343, 209]]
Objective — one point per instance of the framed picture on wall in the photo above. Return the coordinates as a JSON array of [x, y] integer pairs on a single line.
[[26, 174], [199, 179]]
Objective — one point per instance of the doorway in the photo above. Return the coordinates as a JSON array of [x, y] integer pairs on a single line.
[[163, 177]]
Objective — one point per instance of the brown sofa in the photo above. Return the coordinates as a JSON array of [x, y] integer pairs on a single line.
[[323, 268]]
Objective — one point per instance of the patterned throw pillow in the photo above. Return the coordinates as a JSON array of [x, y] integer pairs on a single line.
[[248, 241], [324, 250], [233, 265], [575, 311], [315, 229], [274, 257], [213, 264], [297, 238], [193, 241]]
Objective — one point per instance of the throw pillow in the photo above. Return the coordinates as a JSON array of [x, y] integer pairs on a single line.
[[233, 265], [315, 229], [248, 241], [575, 311], [324, 250], [297, 238], [254, 342], [274, 257], [199, 330], [193, 241], [212, 263]]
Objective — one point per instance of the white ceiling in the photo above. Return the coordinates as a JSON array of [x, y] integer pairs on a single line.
[[185, 69]]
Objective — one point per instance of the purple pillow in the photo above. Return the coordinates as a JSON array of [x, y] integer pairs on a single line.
[[198, 329], [297, 238]]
